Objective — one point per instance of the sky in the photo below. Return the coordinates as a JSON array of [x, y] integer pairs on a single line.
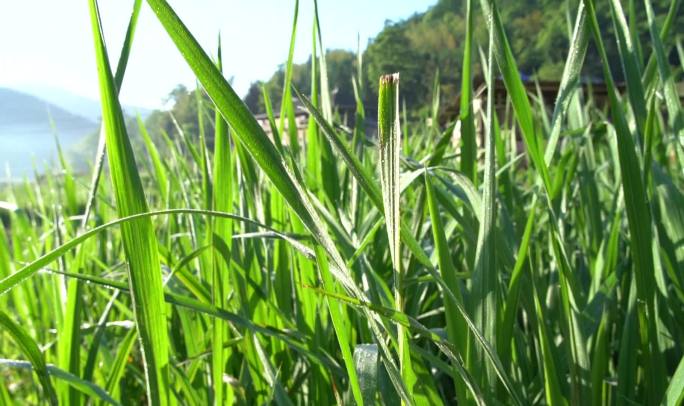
[[49, 43]]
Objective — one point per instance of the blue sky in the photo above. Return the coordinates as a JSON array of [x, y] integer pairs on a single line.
[[48, 42]]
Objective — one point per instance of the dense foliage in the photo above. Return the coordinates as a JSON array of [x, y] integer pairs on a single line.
[[433, 41]]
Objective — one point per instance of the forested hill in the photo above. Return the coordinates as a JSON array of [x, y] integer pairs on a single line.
[[425, 43], [19, 109], [538, 31]]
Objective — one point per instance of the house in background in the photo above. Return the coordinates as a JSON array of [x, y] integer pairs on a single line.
[[343, 114], [546, 90]]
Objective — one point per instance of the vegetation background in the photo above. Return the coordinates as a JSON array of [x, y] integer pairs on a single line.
[[432, 43]]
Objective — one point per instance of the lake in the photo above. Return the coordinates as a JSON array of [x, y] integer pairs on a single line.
[[25, 148]]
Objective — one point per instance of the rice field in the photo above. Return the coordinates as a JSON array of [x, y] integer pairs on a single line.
[[530, 254]]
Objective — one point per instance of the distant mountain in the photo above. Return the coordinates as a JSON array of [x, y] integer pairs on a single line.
[[21, 109], [28, 127], [73, 103]]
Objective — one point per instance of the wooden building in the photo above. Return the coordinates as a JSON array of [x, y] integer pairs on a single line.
[[344, 114]]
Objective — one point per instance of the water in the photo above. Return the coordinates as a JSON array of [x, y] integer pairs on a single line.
[[26, 148]]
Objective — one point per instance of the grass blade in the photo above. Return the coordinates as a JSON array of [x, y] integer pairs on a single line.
[[223, 230], [675, 391], [32, 352], [140, 242], [468, 135], [672, 102], [639, 219], [84, 387], [390, 145], [456, 326], [366, 361], [484, 275]]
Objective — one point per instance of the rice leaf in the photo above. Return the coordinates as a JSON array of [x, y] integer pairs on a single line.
[[485, 279], [468, 135], [456, 326], [675, 390], [139, 239], [84, 387], [30, 349], [223, 230], [366, 362], [639, 219], [390, 145]]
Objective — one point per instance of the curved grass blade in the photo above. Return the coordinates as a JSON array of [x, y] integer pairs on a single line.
[[12, 280], [571, 295], [513, 293], [30, 349], [85, 387], [291, 338], [118, 81]]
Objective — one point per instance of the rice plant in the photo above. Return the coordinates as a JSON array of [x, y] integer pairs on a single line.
[[516, 254]]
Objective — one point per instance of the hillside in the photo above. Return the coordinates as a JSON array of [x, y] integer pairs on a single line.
[[21, 109], [76, 104], [27, 134], [433, 41]]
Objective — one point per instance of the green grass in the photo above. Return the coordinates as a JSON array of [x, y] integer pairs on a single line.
[[542, 264]]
